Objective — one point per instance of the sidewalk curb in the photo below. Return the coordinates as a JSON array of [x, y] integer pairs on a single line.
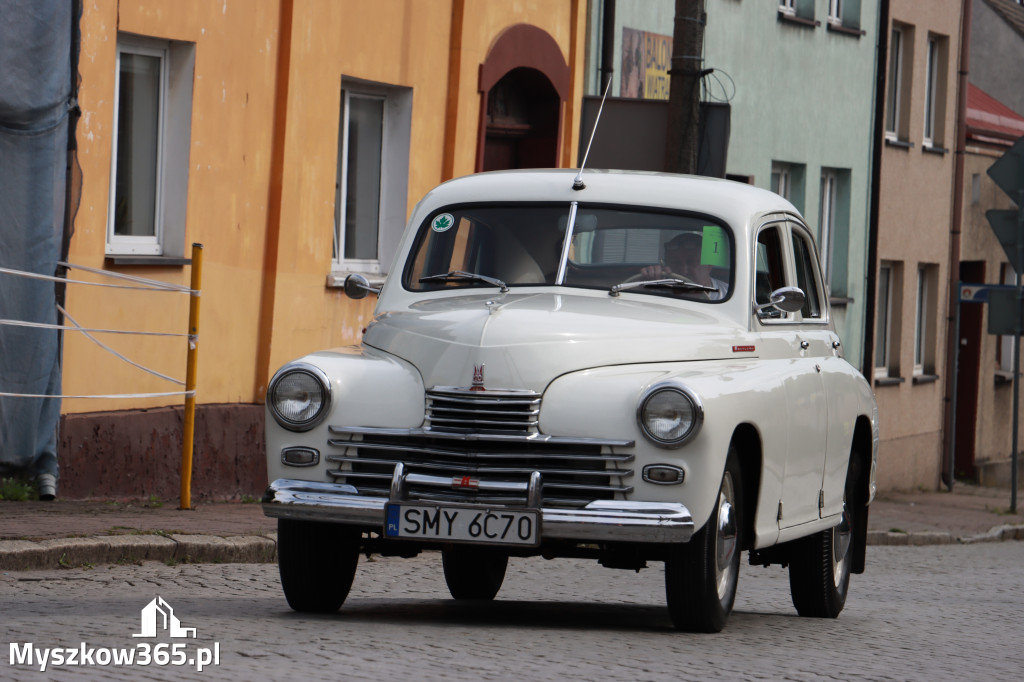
[[917, 539], [24, 555]]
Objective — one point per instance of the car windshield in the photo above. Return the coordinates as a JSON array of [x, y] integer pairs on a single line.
[[633, 250]]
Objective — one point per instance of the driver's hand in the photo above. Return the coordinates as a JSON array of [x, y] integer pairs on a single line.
[[652, 272]]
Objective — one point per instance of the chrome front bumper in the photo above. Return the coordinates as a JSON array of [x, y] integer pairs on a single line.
[[599, 521]]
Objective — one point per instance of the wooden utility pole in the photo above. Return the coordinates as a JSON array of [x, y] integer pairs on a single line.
[[684, 87]]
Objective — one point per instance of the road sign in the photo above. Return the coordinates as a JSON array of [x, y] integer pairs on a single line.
[[981, 293], [1004, 312], [1008, 170], [1006, 225]]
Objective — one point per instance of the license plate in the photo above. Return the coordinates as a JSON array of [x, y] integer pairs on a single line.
[[462, 524]]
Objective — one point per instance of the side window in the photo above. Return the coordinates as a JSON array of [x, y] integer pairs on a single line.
[[770, 272], [806, 277]]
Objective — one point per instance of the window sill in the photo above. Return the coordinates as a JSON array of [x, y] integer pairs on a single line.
[[900, 144], [336, 279], [889, 381], [927, 148], [800, 21], [1003, 377], [845, 30], [157, 261], [925, 379]]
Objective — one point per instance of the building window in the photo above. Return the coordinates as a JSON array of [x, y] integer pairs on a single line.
[[833, 227], [798, 11], [835, 12], [787, 180], [1004, 347], [887, 331], [935, 92], [924, 320], [900, 49], [149, 168], [787, 7], [827, 218], [373, 170]]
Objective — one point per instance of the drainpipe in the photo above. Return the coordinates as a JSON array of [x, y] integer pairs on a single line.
[[268, 288], [952, 328], [882, 50], [451, 107]]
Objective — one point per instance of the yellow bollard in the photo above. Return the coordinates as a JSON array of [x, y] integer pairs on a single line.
[[190, 378]]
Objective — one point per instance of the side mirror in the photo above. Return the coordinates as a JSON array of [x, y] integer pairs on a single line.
[[786, 299], [357, 287]]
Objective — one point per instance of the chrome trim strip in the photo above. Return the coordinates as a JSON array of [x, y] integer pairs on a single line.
[[601, 520], [487, 470], [474, 456], [488, 437]]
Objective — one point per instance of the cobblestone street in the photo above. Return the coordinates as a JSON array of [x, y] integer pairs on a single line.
[[922, 613]]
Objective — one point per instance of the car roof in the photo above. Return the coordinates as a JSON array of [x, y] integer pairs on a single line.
[[734, 202]]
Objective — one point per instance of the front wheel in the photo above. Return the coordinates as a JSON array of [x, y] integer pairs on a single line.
[[701, 576], [317, 562], [819, 573], [474, 572]]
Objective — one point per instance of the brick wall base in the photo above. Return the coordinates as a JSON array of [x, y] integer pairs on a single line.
[[136, 454]]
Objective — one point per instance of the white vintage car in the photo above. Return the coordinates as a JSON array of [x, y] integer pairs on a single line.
[[631, 367]]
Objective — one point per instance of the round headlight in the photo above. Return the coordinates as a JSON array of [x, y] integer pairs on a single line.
[[299, 396], [670, 415]]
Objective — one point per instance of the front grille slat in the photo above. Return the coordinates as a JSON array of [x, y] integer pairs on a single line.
[[488, 436]]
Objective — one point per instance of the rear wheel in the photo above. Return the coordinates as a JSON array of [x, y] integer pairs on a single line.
[[317, 562], [474, 572], [819, 573], [701, 575]]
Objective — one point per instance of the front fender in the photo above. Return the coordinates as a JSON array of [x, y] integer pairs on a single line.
[[368, 388], [603, 403]]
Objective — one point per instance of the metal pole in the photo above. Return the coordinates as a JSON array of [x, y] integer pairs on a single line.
[[956, 374], [190, 378]]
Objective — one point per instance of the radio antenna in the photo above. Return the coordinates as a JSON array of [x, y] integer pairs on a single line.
[[577, 183]]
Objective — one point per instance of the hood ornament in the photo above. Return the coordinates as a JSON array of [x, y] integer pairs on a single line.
[[478, 378]]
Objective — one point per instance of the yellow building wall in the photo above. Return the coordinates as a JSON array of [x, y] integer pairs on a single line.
[[265, 217]]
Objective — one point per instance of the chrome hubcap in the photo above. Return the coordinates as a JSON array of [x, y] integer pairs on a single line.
[[725, 538], [841, 538]]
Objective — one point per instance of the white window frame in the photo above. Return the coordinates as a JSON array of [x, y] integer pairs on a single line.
[[149, 245], [394, 178], [828, 198], [921, 320], [835, 12], [788, 7], [782, 178], [1007, 276], [892, 116], [371, 266], [931, 88], [883, 350]]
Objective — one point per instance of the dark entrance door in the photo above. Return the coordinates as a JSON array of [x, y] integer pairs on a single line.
[[968, 373], [522, 122]]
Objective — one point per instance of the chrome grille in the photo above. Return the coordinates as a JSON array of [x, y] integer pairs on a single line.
[[469, 411]]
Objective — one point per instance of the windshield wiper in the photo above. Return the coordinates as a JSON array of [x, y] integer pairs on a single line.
[[460, 275], [672, 283]]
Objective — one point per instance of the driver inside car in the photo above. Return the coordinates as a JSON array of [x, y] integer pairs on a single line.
[[683, 258]]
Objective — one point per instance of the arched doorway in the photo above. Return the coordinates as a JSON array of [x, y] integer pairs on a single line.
[[524, 84]]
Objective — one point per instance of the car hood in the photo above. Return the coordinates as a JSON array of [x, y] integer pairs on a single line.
[[523, 341]]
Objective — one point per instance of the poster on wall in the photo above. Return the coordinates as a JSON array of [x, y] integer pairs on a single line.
[[646, 58]]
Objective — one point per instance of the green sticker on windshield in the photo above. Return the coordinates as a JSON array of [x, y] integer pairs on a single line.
[[443, 222], [715, 248]]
